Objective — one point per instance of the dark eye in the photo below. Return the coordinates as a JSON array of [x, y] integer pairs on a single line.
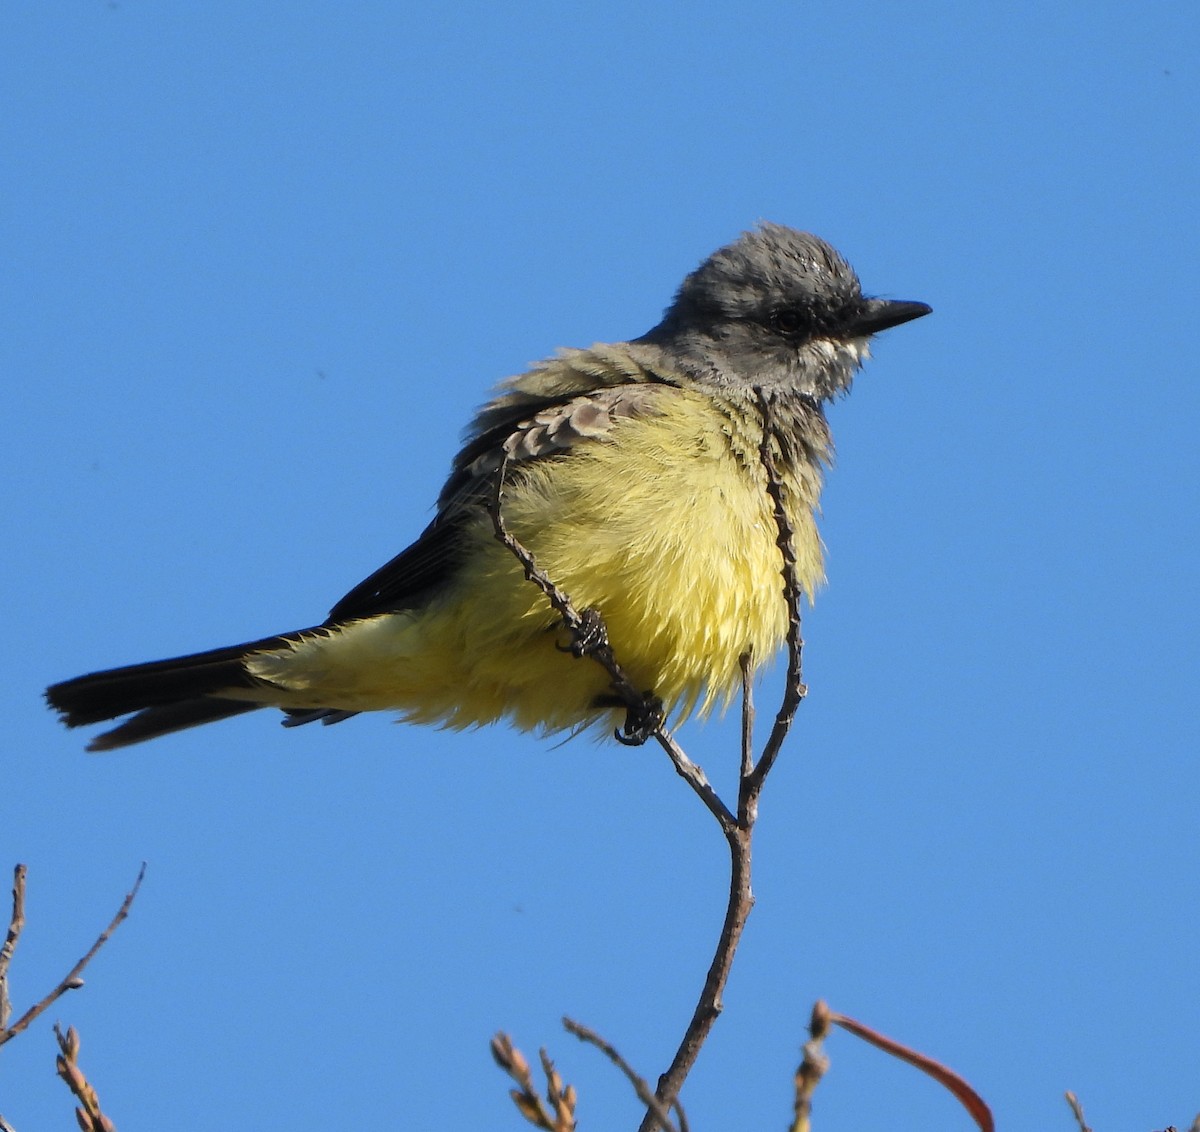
[[787, 320]]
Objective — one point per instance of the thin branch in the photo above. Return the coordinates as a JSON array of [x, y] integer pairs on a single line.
[[72, 981], [1077, 1110], [644, 719], [693, 774], [89, 1115], [15, 924], [709, 1006], [745, 661], [753, 777], [644, 1093], [794, 689], [589, 637], [942, 1074]]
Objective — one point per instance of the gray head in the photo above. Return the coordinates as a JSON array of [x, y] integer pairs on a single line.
[[777, 308]]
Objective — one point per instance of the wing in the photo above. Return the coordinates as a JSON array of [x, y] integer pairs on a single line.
[[585, 396], [399, 584]]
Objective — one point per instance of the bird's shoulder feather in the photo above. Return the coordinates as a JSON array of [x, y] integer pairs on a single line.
[[572, 400]]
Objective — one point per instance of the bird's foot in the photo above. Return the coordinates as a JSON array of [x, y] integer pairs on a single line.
[[589, 636], [642, 721]]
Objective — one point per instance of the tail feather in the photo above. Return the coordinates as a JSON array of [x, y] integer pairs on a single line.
[[153, 722], [167, 695]]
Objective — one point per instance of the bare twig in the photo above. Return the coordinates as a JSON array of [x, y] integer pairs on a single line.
[[812, 1068], [709, 1006], [589, 637], [946, 1077], [587, 629], [794, 689], [557, 1112], [1077, 1109], [72, 981], [693, 774], [739, 833], [645, 719], [15, 924], [640, 1086], [89, 1115], [747, 666]]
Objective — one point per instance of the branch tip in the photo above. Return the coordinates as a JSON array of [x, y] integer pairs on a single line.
[[72, 980]]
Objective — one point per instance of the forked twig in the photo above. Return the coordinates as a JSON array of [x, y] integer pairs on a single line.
[[645, 719], [589, 637], [794, 689], [753, 777], [72, 981]]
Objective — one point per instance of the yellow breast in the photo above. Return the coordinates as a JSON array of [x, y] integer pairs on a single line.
[[665, 527]]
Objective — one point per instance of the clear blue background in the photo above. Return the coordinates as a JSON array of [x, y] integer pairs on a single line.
[[260, 262]]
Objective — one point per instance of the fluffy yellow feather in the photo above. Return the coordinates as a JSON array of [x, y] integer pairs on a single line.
[[664, 526]]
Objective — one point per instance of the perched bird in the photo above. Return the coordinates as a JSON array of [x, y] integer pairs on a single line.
[[632, 475]]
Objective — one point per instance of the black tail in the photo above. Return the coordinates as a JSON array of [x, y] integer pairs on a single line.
[[167, 695]]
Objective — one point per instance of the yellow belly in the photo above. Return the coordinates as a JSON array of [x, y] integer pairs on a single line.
[[665, 527]]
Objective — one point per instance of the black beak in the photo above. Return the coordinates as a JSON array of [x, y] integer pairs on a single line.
[[882, 314]]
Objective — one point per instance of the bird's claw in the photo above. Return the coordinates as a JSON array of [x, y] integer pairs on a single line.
[[642, 721], [589, 636]]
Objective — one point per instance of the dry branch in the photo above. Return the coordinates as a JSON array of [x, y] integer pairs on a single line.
[[15, 925], [72, 980], [645, 719], [589, 638], [943, 1075], [1077, 1111], [640, 1086], [739, 832]]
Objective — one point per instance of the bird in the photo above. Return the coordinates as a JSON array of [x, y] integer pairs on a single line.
[[632, 475]]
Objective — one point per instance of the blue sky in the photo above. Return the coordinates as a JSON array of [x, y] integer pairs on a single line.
[[260, 264]]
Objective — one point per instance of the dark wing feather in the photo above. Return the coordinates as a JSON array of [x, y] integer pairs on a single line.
[[521, 430], [433, 558], [399, 584]]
